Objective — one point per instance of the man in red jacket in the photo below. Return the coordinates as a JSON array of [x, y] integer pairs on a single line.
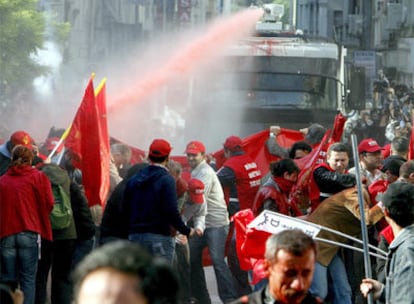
[[240, 179]]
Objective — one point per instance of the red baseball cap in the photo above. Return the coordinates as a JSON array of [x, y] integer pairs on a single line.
[[233, 143], [160, 148], [195, 147], [196, 191], [369, 145], [21, 138]]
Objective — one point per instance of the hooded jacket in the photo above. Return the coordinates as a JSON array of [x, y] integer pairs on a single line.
[[26, 200], [150, 203]]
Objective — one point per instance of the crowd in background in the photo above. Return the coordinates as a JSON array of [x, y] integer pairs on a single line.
[[387, 116]]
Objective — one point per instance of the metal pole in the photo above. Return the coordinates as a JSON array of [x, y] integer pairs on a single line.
[[349, 237], [367, 261]]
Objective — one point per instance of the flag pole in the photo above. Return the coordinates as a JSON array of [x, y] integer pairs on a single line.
[[100, 86], [380, 256], [304, 222], [61, 140], [367, 261]]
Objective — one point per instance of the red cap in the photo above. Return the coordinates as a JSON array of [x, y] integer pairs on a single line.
[[369, 145], [21, 138], [160, 148], [233, 143], [51, 142], [195, 147], [196, 191]]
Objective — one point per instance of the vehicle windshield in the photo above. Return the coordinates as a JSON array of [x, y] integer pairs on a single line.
[[253, 89]]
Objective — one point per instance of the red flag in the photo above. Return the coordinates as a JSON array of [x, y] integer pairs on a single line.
[[255, 146], [250, 244], [88, 140], [411, 146], [104, 147], [338, 128], [305, 189]]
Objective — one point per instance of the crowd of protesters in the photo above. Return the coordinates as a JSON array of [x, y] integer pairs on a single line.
[[176, 217], [387, 116]]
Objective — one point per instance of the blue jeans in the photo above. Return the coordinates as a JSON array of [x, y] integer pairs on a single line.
[[215, 240], [335, 273], [19, 258], [156, 244], [82, 249]]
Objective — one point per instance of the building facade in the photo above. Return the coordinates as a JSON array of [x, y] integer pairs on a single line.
[[382, 31]]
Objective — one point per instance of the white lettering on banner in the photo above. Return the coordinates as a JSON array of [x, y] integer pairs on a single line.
[[250, 166], [254, 183], [254, 174], [274, 222]]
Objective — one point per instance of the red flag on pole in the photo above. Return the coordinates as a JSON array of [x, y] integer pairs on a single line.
[[411, 146], [89, 142], [255, 146], [104, 146]]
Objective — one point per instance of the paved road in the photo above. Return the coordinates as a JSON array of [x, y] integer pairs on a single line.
[[211, 285]]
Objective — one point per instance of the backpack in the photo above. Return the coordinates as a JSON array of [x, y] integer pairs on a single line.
[[61, 215]]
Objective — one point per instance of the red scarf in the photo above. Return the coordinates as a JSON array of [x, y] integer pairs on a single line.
[[284, 184]]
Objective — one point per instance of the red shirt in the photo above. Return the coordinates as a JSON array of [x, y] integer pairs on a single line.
[[26, 200]]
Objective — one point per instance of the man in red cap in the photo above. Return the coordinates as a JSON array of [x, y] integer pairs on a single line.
[[370, 161], [215, 233], [17, 138], [150, 204], [240, 178]]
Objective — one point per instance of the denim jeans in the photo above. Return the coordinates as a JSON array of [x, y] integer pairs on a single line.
[[156, 244], [336, 275], [19, 258], [82, 249], [215, 240]]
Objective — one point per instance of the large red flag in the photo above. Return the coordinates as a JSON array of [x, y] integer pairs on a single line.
[[411, 146], [104, 147], [255, 146], [88, 140]]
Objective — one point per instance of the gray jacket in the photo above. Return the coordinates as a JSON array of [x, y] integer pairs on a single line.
[[217, 214], [400, 269]]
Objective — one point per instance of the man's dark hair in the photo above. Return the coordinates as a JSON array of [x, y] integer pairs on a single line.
[[300, 145], [407, 168], [294, 241], [399, 201], [316, 132], [338, 147], [157, 281], [278, 168], [400, 144], [157, 160]]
